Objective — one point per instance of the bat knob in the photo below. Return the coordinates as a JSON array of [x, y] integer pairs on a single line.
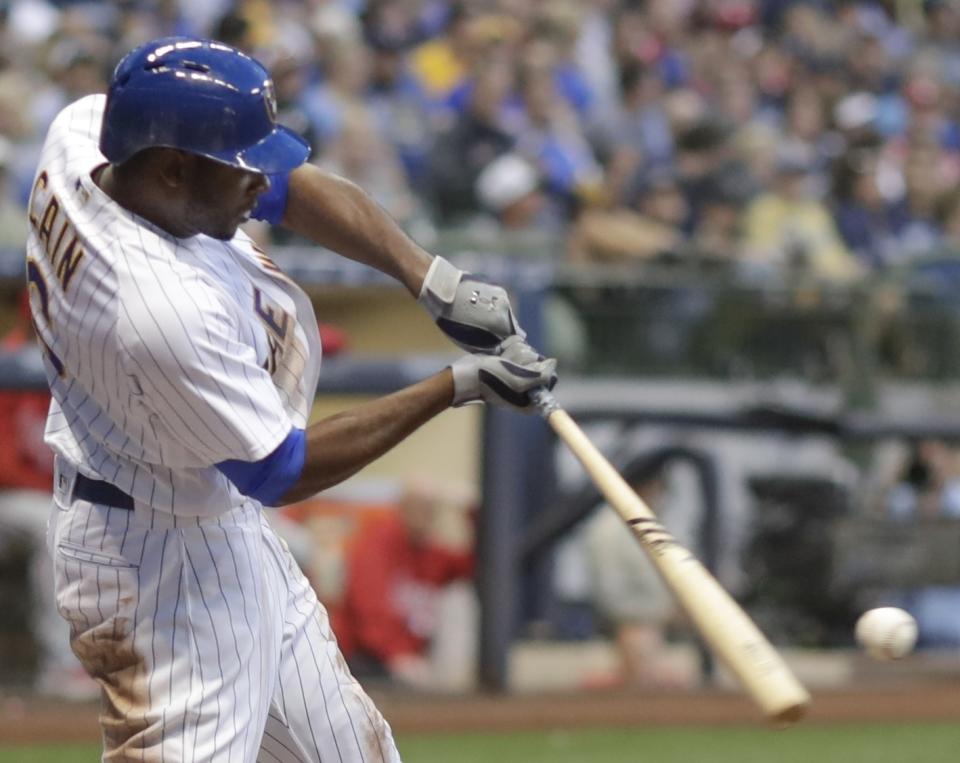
[[545, 401]]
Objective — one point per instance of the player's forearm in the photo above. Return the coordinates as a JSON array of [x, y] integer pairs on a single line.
[[342, 444], [340, 216]]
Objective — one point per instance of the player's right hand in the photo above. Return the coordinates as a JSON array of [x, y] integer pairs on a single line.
[[506, 378]]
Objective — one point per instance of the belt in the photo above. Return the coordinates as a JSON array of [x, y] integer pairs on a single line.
[[97, 491]]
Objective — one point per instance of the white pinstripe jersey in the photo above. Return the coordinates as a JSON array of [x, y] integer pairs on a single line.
[[165, 356]]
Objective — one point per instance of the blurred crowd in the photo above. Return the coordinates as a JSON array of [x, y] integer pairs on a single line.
[[803, 136], [820, 136]]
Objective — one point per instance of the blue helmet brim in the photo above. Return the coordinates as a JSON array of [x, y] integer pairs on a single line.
[[281, 150]]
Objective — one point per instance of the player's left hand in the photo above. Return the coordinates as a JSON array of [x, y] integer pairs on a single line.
[[475, 314], [506, 378]]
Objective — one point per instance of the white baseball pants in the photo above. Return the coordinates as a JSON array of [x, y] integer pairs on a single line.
[[207, 641]]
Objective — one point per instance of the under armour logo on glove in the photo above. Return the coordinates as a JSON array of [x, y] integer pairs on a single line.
[[492, 301]]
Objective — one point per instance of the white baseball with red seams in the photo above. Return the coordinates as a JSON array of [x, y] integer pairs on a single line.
[[886, 633]]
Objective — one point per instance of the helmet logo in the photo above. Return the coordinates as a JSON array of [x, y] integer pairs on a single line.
[[270, 100]]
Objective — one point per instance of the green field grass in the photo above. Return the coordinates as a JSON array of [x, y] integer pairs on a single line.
[[890, 743]]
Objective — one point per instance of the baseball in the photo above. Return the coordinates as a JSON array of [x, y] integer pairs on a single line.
[[886, 633]]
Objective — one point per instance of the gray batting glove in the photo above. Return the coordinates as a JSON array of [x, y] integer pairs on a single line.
[[473, 313], [504, 379]]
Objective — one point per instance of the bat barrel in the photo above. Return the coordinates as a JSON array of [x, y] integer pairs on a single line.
[[725, 627]]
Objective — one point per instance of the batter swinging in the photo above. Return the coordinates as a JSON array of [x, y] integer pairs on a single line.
[[183, 364]]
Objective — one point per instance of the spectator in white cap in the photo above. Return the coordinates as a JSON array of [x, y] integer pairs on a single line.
[[509, 189], [855, 116]]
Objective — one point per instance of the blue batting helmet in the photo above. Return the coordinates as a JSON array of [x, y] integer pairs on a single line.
[[199, 96]]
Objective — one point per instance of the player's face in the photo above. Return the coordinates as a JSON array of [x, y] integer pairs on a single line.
[[221, 197]]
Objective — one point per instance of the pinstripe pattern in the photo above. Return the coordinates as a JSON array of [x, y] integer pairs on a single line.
[[167, 356], [208, 661], [163, 351]]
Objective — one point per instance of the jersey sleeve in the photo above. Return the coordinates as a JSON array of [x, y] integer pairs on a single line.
[[200, 382]]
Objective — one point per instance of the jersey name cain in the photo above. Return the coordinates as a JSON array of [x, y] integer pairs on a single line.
[[57, 234]]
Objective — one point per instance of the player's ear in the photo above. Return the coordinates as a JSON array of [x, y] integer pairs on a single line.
[[174, 168]]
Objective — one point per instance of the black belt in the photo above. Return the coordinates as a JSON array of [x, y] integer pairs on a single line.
[[97, 491]]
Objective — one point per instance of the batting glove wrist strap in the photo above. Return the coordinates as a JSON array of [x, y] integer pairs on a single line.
[[439, 286], [473, 313], [466, 380]]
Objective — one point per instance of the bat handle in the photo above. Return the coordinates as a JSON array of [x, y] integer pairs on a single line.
[[545, 401]]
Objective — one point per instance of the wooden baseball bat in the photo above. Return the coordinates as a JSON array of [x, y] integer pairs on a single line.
[[725, 627]]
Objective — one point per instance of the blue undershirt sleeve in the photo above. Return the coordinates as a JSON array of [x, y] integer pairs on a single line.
[[272, 203], [268, 479]]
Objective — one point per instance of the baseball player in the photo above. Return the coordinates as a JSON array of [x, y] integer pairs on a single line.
[[183, 364]]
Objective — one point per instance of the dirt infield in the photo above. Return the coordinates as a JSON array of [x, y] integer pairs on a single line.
[[25, 720], [936, 702]]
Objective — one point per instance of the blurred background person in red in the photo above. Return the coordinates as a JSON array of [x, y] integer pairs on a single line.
[[408, 612]]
